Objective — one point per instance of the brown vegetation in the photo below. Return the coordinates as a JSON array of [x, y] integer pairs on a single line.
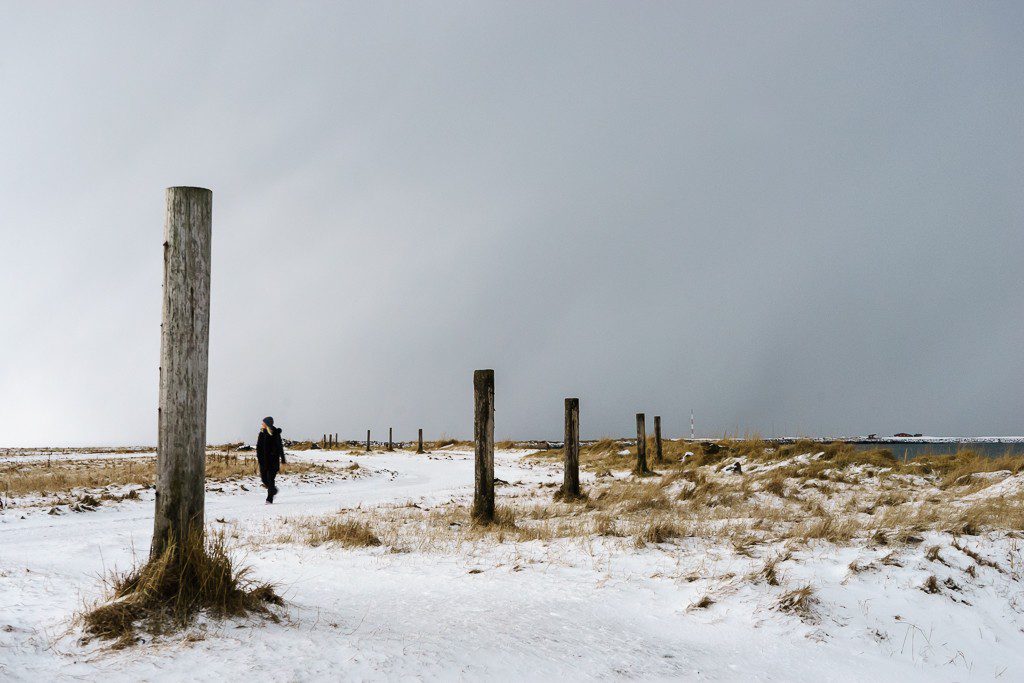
[[347, 533], [172, 589], [59, 476]]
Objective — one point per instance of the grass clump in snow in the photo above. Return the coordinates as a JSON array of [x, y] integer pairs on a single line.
[[799, 601], [193, 577], [347, 533]]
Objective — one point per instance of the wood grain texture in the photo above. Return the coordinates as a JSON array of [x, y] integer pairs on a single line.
[[184, 367]]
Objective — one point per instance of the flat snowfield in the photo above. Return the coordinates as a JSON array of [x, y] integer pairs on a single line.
[[506, 609]]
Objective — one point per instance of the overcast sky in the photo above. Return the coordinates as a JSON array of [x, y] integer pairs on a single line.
[[793, 218]]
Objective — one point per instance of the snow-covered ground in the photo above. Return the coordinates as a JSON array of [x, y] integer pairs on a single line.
[[541, 610]]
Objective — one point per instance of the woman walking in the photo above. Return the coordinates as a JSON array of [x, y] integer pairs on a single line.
[[270, 454]]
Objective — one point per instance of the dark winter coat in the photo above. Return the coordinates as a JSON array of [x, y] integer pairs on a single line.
[[270, 450]]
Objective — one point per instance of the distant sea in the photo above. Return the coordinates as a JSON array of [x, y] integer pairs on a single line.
[[913, 449]]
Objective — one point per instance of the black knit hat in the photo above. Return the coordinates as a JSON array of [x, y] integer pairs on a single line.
[[269, 421]]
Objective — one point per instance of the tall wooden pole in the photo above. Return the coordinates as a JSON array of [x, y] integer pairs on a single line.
[[641, 445], [391, 443], [419, 448], [483, 436], [657, 439], [571, 478], [184, 368], [367, 440]]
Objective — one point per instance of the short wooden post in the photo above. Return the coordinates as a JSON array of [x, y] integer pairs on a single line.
[[419, 447], [335, 439], [641, 445], [657, 439], [391, 443], [571, 478], [367, 440], [184, 369], [483, 436]]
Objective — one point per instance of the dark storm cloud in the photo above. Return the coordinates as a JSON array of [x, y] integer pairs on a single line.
[[799, 218]]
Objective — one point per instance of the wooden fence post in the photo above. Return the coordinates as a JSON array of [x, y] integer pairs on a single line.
[[657, 439], [641, 445], [367, 440], [571, 478], [483, 436], [184, 368], [419, 448], [391, 443]]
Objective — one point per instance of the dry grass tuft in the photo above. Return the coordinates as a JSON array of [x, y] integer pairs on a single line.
[[704, 602], [347, 533], [658, 532], [64, 475], [799, 601], [769, 573], [169, 591]]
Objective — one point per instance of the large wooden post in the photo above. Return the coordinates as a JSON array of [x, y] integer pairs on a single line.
[[367, 440], [641, 445], [184, 367], [657, 439], [571, 478], [483, 437], [391, 443], [419, 447]]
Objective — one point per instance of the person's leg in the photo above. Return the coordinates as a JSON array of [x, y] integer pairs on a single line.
[[271, 488]]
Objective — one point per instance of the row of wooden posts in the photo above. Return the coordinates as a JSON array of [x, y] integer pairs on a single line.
[[184, 368], [483, 438], [331, 441]]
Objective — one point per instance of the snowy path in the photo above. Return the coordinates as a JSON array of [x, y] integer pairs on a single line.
[[372, 614]]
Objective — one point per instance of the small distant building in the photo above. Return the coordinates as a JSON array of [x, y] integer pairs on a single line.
[[903, 435]]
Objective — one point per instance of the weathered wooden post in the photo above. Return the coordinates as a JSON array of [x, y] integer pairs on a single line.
[[419, 448], [641, 445], [391, 443], [657, 439], [335, 439], [483, 436], [184, 368], [571, 478]]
